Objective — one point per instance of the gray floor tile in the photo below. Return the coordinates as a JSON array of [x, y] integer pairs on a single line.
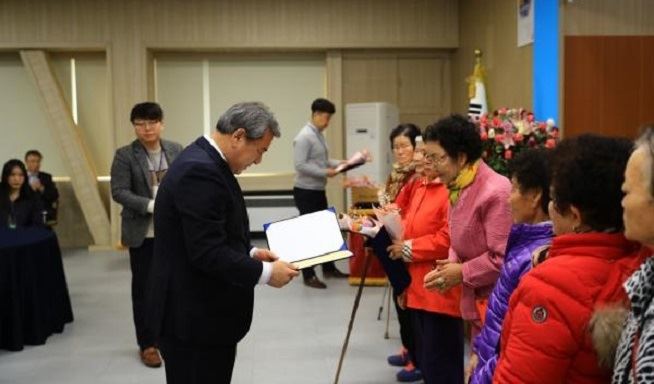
[[296, 335]]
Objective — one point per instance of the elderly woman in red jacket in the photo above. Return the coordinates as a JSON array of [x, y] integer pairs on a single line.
[[547, 335], [437, 324]]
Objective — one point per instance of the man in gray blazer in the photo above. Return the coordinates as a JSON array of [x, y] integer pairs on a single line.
[[136, 173]]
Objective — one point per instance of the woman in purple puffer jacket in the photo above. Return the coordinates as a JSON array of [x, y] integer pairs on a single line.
[[532, 230]]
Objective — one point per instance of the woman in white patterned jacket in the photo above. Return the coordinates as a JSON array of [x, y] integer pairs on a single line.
[[635, 354]]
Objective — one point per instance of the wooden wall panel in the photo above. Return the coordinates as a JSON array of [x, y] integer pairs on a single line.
[[130, 30], [621, 88], [608, 18], [646, 103], [608, 83], [234, 23], [492, 27], [417, 82], [582, 94], [368, 79]]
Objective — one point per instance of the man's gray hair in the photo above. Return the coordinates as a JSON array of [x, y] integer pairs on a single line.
[[254, 117], [646, 143]]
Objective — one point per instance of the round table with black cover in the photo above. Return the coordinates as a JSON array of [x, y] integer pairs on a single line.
[[34, 301]]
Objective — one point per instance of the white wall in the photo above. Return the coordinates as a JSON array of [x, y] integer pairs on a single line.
[[286, 83], [23, 118]]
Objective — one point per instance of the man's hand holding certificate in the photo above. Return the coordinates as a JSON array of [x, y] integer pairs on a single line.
[[307, 240]]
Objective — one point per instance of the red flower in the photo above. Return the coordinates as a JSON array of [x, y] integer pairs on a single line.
[[530, 117], [499, 138], [508, 155], [550, 143], [484, 119], [542, 127], [502, 111], [496, 122], [518, 138], [484, 135]]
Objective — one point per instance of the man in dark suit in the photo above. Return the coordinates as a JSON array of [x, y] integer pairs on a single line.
[[136, 173], [205, 268], [42, 185]]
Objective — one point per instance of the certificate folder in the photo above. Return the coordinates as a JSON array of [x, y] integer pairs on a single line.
[[307, 240]]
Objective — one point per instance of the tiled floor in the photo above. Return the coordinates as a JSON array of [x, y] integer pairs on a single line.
[[296, 336]]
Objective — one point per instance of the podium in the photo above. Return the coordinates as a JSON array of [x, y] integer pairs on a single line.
[[361, 197], [376, 275]]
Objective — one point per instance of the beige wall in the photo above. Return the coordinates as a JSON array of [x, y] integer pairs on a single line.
[[609, 18], [417, 82], [128, 28], [129, 31], [492, 27]]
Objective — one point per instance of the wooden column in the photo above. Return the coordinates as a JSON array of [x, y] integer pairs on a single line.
[[73, 150], [336, 132]]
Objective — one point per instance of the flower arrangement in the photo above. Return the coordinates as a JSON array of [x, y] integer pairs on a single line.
[[509, 131]]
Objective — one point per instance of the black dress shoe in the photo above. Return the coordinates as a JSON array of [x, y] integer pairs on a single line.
[[335, 273], [314, 282]]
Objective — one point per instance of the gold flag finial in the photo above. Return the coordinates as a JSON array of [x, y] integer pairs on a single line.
[[477, 74]]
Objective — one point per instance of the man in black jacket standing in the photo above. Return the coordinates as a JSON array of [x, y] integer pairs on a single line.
[[42, 185], [204, 268]]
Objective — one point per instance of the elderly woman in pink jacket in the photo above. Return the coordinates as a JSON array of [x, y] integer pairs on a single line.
[[479, 216]]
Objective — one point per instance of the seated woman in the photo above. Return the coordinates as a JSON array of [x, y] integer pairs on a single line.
[[19, 206], [437, 324], [546, 335], [634, 355], [530, 196]]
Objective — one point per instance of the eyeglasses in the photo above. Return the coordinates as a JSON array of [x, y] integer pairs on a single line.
[[401, 146], [434, 158], [143, 124]]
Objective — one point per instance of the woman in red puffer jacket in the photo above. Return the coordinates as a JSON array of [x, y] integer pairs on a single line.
[[553, 329]]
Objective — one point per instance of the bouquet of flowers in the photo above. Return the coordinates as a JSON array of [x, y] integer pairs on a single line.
[[508, 131]]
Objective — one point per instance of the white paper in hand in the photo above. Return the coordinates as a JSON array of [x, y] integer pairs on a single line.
[[305, 237]]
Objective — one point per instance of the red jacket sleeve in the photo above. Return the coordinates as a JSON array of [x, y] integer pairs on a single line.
[[540, 335], [434, 246], [404, 196]]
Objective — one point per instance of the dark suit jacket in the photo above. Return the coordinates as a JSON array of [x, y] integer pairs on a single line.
[[49, 196], [27, 211], [202, 278], [132, 188]]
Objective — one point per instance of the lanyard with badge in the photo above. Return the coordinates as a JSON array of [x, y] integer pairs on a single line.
[[156, 174]]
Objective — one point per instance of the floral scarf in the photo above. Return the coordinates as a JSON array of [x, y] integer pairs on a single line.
[[465, 177], [398, 177]]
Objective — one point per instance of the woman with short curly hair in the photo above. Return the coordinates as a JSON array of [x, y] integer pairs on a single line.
[[479, 216]]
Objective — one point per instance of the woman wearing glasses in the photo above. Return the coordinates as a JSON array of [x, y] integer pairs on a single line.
[[479, 216], [403, 143]]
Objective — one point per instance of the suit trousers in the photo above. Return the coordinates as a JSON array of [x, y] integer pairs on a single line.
[[439, 346], [140, 259], [309, 201], [191, 364]]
